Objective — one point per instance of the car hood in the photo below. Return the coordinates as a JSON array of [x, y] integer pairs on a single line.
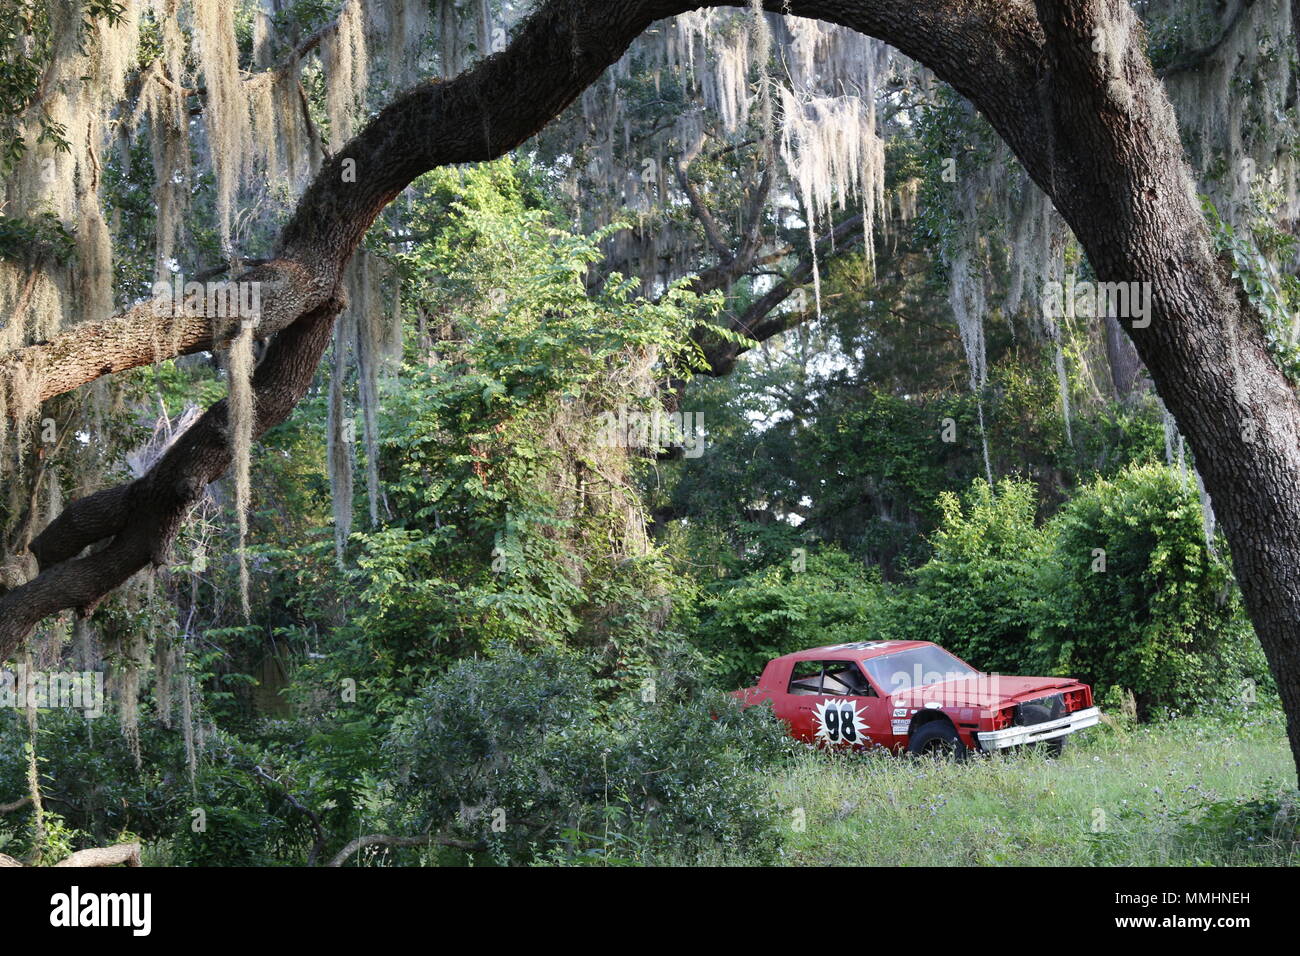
[[989, 691]]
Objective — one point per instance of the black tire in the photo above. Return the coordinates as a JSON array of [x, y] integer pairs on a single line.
[[1050, 748], [937, 739]]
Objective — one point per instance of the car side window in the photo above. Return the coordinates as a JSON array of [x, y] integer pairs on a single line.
[[806, 679], [845, 679]]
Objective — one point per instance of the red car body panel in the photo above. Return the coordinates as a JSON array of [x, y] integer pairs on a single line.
[[878, 695]]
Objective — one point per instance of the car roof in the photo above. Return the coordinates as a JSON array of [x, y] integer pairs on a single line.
[[857, 651]]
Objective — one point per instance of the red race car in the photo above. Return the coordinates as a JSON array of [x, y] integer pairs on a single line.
[[915, 696]]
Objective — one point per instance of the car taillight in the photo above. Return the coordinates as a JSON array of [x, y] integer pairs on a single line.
[[1003, 718]]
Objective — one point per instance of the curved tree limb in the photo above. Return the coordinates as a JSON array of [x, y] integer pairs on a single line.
[[1096, 133], [142, 517], [700, 209], [121, 853], [317, 826], [758, 321], [499, 104], [480, 115]]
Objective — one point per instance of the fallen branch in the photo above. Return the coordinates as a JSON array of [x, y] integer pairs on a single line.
[[116, 855], [122, 853]]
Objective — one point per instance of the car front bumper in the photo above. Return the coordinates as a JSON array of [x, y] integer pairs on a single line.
[[990, 740]]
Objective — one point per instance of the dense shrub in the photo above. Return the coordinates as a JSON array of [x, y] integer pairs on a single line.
[[89, 776], [524, 742], [244, 806], [1118, 589], [1161, 616], [977, 595]]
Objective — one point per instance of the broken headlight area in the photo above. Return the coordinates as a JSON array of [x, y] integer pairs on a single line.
[[1039, 710]]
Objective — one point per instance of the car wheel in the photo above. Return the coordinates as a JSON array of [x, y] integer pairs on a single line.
[[937, 739]]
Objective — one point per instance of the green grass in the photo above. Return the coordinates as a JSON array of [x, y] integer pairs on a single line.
[[1161, 794]]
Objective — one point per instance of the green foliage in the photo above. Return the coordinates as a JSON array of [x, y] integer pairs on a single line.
[[523, 741], [977, 594], [25, 240], [954, 141], [1119, 589], [1157, 615], [1274, 294], [89, 776], [1243, 831], [247, 805], [863, 468], [512, 520], [1160, 617], [745, 622]]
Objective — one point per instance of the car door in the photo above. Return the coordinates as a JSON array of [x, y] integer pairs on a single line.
[[802, 692], [849, 712]]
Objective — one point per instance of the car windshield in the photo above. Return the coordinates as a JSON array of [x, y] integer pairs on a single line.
[[916, 667]]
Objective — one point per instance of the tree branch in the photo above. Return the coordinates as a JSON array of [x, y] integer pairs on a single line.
[[1192, 60], [712, 232], [116, 855], [142, 517], [496, 106], [757, 322], [480, 115], [122, 853]]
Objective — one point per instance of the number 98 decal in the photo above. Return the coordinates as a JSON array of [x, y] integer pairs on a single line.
[[839, 722]]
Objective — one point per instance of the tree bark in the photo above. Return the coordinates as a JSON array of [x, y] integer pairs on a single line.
[[1095, 132], [140, 519], [1118, 176], [127, 854], [119, 854]]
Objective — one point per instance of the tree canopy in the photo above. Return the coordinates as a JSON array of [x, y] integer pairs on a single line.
[[351, 345]]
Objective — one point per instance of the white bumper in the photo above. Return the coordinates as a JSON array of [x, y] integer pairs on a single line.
[[1015, 736]]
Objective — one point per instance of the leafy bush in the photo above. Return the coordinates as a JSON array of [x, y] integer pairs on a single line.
[[778, 609], [516, 753], [1133, 598], [977, 595], [251, 794], [90, 777], [1119, 589]]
